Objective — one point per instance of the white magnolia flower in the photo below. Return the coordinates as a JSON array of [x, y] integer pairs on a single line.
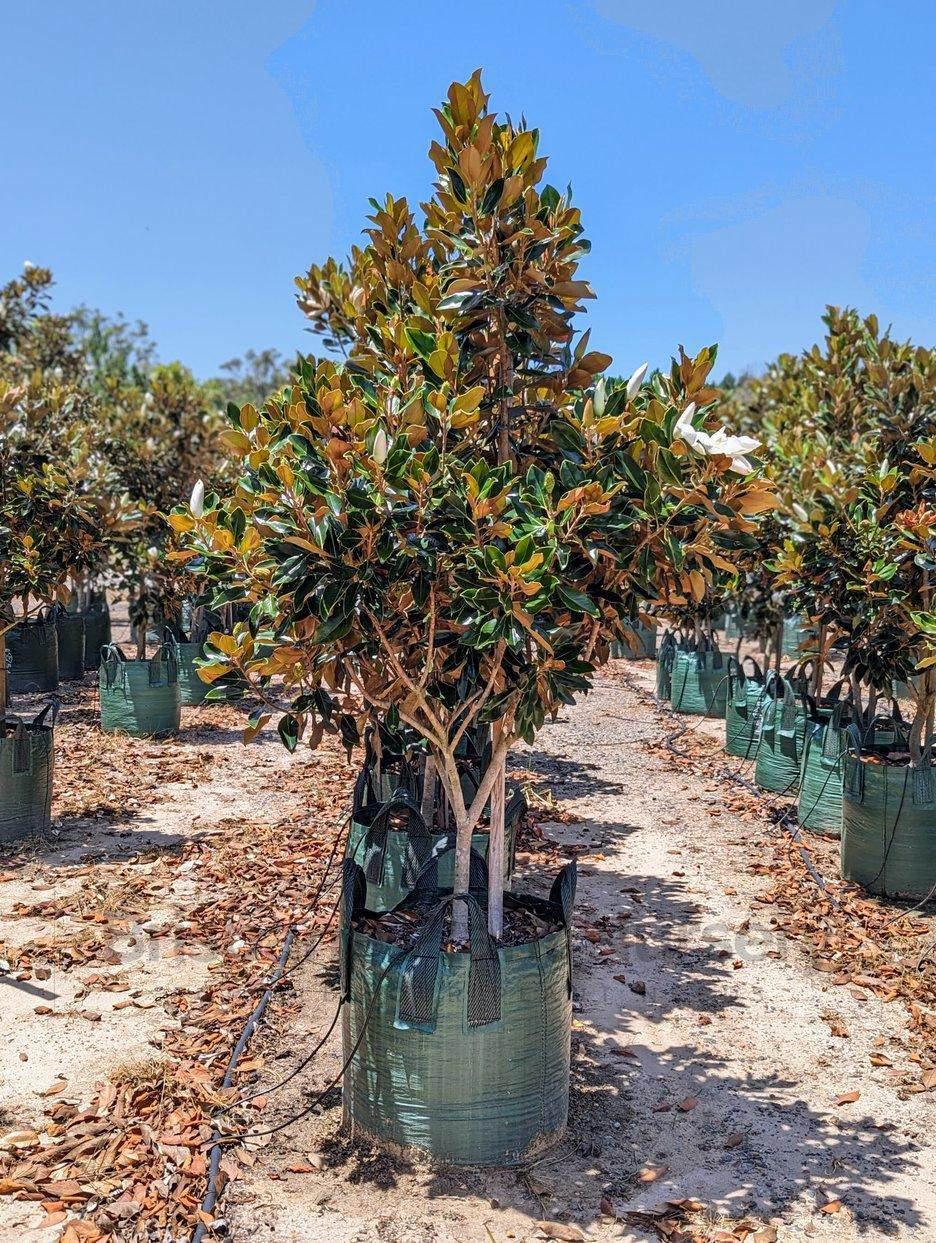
[[28, 265], [634, 383], [197, 503], [717, 442], [380, 447]]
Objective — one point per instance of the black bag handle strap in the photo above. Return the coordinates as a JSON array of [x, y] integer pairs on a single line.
[[417, 1003], [562, 894], [353, 900], [418, 839], [54, 706], [112, 659], [428, 877]]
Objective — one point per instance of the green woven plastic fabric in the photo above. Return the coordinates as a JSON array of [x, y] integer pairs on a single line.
[[490, 1094], [795, 633], [889, 828], [140, 697], [32, 654], [70, 633], [742, 713], [822, 775], [191, 688], [700, 683], [26, 766], [388, 893], [782, 735], [97, 622]]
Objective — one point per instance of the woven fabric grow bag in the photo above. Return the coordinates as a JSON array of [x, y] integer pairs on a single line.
[[192, 690], [26, 767], [780, 750], [782, 734], [742, 711], [700, 682], [140, 697], [822, 774], [70, 635], [392, 845], [97, 623], [461, 1056], [32, 655], [888, 823], [796, 632]]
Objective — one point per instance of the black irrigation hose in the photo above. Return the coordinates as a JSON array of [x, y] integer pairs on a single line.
[[211, 1192]]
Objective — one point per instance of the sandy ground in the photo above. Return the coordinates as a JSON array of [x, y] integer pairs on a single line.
[[704, 1064], [727, 1090], [61, 1028]]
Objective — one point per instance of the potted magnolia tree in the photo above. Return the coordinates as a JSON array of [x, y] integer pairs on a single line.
[[445, 530], [863, 557]]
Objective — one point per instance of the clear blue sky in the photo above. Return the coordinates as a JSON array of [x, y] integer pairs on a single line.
[[739, 163]]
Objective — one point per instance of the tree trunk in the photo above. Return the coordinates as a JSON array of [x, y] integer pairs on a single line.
[[427, 807], [496, 844], [778, 654], [819, 667], [4, 690]]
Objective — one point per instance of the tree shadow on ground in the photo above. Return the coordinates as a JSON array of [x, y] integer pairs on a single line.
[[568, 779]]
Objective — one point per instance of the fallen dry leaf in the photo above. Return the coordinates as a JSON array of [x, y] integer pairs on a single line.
[[847, 1098]]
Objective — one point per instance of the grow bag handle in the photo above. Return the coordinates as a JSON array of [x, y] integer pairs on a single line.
[[833, 743], [758, 672], [112, 659], [416, 1006], [562, 893], [22, 751], [418, 839], [54, 706], [417, 1001], [428, 877]]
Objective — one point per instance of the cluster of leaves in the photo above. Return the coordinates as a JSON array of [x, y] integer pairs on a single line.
[[853, 447], [97, 442], [454, 523]]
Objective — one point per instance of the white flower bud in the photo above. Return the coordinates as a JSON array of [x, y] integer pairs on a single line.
[[380, 447], [634, 383], [197, 503]]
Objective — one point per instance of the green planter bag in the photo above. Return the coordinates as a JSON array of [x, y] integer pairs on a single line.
[[97, 630], [391, 843], [140, 697], [461, 1056], [700, 681], [888, 818], [26, 765], [32, 655], [782, 734], [796, 632], [742, 710], [70, 635], [822, 774], [192, 689]]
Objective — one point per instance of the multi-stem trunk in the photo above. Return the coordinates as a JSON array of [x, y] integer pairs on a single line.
[[922, 729], [496, 842]]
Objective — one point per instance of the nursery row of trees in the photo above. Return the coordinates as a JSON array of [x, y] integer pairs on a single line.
[[97, 442]]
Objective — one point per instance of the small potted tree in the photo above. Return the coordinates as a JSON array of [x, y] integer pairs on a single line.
[[865, 556], [447, 531]]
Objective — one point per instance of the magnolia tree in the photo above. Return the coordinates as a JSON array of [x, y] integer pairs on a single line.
[[451, 526], [53, 523], [861, 554], [815, 416]]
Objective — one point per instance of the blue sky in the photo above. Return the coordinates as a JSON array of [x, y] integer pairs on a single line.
[[738, 163]]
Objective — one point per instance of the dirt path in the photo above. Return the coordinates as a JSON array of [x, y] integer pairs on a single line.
[[704, 1055]]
